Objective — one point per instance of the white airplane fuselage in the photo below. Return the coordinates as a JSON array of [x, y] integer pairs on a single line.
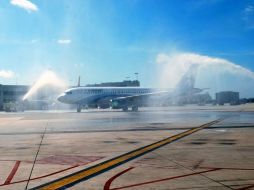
[[87, 95]]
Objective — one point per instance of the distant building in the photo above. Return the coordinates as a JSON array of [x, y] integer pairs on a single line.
[[11, 98], [246, 100], [227, 97], [11, 93], [125, 83]]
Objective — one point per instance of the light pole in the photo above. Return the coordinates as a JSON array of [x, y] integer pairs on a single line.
[[136, 76]]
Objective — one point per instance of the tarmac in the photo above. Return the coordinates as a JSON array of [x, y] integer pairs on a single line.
[[185, 147]]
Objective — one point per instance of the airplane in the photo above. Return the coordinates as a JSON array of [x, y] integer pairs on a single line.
[[125, 97]]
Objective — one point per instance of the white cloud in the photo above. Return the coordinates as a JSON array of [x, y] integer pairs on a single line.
[[34, 41], [6, 74], [249, 9], [248, 16], [25, 4], [64, 41]]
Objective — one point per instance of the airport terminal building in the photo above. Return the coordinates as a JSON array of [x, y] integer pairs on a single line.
[[11, 94], [125, 83], [227, 97]]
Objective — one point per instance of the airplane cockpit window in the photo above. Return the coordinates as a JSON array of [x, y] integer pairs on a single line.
[[69, 92]]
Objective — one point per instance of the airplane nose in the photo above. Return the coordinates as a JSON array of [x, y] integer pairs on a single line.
[[60, 98]]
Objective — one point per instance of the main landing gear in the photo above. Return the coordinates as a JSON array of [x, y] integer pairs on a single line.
[[125, 108], [133, 108]]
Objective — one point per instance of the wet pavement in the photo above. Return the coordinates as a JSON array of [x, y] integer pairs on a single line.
[[40, 147]]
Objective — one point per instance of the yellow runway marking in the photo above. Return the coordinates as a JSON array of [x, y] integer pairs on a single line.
[[76, 177]]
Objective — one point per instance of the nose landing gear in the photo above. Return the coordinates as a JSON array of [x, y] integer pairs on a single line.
[[133, 108]]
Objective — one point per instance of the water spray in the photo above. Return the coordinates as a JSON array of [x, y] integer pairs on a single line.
[[215, 73], [48, 78]]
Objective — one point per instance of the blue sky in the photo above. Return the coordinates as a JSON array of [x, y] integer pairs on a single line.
[[108, 40]]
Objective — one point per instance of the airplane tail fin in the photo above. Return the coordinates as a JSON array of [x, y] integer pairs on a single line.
[[187, 82]]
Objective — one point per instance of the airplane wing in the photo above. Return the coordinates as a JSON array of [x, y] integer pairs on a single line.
[[158, 94], [138, 99], [139, 96], [144, 99]]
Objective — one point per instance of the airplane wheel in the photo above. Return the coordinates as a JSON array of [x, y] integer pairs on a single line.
[[125, 108], [134, 108]]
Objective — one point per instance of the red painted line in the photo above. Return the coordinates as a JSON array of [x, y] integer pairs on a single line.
[[108, 183], [12, 174], [248, 187], [156, 166], [226, 168], [155, 181], [43, 176]]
